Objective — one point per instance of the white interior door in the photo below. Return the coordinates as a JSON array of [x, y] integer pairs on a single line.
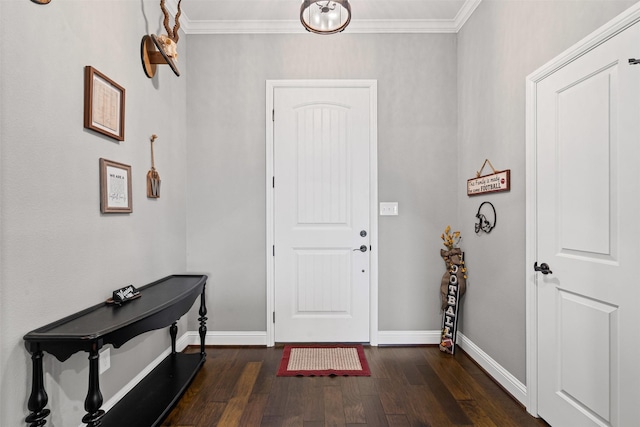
[[588, 187], [322, 143]]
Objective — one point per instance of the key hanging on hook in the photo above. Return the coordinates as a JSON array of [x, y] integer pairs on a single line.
[[153, 177]]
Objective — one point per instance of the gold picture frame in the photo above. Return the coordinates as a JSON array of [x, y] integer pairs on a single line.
[[115, 187], [104, 102]]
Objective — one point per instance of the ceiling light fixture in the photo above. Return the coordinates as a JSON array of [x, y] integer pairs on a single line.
[[325, 17]]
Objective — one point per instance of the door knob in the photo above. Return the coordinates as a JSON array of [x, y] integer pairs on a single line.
[[362, 248], [544, 268]]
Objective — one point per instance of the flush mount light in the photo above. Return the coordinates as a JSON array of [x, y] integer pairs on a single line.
[[325, 17]]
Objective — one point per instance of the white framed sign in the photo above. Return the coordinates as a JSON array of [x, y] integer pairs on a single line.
[[115, 187], [499, 181]]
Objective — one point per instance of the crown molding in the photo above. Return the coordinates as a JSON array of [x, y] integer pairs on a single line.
[[465, 13], [356, 26]]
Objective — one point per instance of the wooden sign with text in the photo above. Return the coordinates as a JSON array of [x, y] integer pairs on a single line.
[[499, 181], [450, 315]]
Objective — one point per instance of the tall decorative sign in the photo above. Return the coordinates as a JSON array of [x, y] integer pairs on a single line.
[[452, 287]]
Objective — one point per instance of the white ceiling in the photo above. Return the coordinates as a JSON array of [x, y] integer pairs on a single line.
[[283, 16]]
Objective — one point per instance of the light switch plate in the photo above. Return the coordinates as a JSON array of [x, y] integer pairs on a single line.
[[388, 208]]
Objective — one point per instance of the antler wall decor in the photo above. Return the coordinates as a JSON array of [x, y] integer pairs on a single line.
[[166, 45]]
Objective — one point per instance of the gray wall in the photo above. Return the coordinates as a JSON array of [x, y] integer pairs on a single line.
[[59, 254], [416, 77], [498, 47]]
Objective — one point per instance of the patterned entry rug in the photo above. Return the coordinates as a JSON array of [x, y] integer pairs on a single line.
[[323, 360]]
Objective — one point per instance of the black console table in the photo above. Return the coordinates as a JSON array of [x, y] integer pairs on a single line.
[[161, 304]]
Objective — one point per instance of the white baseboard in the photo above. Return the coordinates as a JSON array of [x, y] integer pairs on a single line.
[[503, 377], [259, 338], [408, 337]]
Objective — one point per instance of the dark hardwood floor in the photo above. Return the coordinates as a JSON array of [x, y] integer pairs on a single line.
[[408, 386]]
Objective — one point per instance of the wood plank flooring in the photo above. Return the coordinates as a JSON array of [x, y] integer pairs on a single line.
[[408, 387]]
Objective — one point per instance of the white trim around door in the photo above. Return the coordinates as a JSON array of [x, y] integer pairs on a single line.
[[372, 85]]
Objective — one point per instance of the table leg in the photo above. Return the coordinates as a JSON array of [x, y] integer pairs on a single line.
[[38, 398], [173, 331], [93, 402], [203, 321]]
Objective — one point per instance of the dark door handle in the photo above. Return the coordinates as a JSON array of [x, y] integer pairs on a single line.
[[362, 248], [544, 268]]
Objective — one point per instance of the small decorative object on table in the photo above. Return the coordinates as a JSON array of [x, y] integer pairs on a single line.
[[122, 295], [452, 287]]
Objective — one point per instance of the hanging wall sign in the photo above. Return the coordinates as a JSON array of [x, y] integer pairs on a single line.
[[153, 177], [497, 181]]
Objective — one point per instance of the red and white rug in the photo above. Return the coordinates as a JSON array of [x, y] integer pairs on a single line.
[[323, 360]]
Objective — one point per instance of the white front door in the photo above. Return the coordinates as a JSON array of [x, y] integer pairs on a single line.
[[588, 232], [322, 142]]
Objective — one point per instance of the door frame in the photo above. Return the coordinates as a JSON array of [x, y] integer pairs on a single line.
[[372, 86], [599, 36]]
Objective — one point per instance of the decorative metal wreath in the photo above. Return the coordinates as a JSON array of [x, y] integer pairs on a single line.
[[483, 223]]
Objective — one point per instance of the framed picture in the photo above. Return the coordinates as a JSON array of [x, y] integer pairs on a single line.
[[115, 187], [103, 104]]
